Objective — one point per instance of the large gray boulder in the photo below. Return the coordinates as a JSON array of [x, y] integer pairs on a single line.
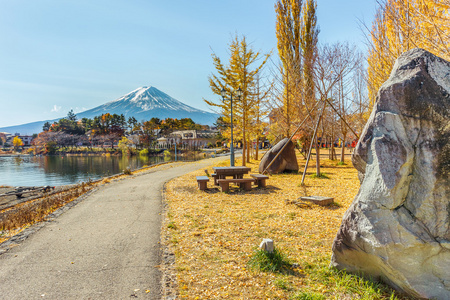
[[398, 226], [286, 161]]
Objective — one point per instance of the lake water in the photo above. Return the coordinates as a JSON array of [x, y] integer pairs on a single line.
[[62, 170]]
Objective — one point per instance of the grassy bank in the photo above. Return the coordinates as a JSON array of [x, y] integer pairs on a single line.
[[215, 235]]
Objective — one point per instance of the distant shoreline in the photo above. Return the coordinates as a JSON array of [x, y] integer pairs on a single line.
[[13, 155]]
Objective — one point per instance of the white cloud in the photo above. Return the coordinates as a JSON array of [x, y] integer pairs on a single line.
[[56, 108]]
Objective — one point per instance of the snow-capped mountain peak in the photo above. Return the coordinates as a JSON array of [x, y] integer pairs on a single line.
[[143, 103], [146, 102], [148, 98]]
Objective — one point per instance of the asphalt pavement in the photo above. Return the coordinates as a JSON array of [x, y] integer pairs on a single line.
[[105, 247]]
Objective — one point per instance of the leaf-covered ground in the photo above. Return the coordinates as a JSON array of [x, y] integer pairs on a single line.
[[214, 235]]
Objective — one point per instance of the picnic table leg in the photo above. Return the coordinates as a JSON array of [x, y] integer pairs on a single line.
[[262, 183], [217, 178], [202, 185], [248, 186], [224, 186]]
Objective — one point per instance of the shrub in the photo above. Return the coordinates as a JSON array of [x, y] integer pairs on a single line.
[[143, 152], [167, 155], [50, 147]]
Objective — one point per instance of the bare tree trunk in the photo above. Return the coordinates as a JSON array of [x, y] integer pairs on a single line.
[[317, 156], [257, 148], [343, 149], [287, 107], [333, 152], [243, 148], [249, 145]]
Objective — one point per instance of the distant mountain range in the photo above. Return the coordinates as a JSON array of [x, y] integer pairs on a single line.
[[143, 103]]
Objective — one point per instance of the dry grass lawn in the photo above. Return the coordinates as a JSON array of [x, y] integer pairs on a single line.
[[214, 235]]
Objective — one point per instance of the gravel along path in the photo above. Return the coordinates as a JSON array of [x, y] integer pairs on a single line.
[[105, 247]]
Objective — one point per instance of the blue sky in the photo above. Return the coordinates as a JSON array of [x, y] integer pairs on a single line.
[[77, 54]]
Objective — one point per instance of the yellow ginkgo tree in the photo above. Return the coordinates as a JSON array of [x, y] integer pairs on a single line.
[[17, 142], [241, 72], [401, 25]]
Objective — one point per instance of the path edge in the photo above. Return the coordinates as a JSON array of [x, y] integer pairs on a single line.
[[169, 283]]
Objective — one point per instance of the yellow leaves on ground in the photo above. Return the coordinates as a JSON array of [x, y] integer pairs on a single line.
[[214, 234]]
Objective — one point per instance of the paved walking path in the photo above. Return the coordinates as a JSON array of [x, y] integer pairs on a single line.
[[105, 247]]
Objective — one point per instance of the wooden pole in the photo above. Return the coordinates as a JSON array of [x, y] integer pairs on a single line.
[[278, 154], [312, 142]]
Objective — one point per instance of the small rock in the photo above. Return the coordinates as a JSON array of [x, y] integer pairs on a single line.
[[267, 245]]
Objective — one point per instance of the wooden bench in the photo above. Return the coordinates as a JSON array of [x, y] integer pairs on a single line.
[[202, 182], [245, 183], [260, 179]]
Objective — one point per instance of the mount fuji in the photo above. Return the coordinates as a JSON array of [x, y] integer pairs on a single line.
[[143, 103]]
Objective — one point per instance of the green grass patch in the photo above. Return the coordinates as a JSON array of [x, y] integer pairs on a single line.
[[171, 225], [320, 176], [283, 283], [341, 163], [269, 262], [339, 284], [307, 296], [335, 204]]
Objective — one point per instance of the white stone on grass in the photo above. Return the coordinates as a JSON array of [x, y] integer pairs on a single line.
[[267, 245]]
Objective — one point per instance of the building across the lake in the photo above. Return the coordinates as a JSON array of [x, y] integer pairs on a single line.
[[188, 139], [26, 139]]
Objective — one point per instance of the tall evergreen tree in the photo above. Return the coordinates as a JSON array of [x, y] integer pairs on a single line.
[[71, 116], [46, 126]]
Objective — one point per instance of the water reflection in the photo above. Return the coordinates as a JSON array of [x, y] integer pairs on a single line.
[[61, 170]]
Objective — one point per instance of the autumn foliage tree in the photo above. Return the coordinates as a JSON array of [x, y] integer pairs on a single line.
[[288, 32], [297, 37], [17, 142], [241, 72], [309, 40], [401, 25]]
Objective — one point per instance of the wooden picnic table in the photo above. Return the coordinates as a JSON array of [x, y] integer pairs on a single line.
[[235, 172]]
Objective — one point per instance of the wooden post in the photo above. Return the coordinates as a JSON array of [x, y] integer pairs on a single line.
[[290, 138], [312, 142]]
